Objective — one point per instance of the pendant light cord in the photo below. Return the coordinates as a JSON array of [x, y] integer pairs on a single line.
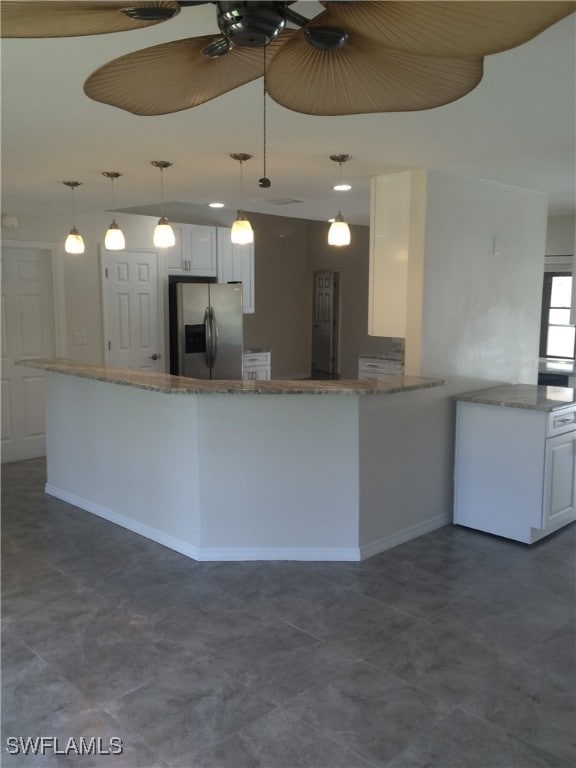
[[74, 206], [161, 192], [264, 111]]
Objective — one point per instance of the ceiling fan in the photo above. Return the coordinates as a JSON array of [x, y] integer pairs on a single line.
[[352, 58]]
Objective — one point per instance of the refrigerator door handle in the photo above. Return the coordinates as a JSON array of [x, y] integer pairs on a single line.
[[208, 331], [213, 337]]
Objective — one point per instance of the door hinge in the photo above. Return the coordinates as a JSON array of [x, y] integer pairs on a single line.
[[109, 346], [106, 271]]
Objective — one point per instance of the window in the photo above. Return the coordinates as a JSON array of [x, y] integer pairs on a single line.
[[557, 336]]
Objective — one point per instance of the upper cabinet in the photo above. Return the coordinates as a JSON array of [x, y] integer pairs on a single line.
[[236, 264], [195, 251]]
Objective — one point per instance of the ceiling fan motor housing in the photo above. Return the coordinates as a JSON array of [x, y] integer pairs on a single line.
[[251, 24]]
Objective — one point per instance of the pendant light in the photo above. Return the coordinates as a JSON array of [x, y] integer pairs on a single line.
[[74, 242], [114, 240], [339, 232], [163, 233], [242, 232]]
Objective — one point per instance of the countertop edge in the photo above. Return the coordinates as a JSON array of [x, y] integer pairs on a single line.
[[533, 397], [179, 385]]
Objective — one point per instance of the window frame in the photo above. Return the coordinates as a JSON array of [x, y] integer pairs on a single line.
[[545, 315]]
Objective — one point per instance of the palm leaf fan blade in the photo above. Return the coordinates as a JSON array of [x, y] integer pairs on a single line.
[[362, 78], [174, 76], [447, 28], [75, 19]]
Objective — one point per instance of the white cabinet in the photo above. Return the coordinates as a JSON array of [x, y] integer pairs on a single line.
[[257, 365], [195, 252], [374, 367], [515, 470], [236, 265]]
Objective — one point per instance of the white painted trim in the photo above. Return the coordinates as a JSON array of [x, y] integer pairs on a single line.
[[400, 537], [330, 554], [229, 554], [125, 522], [57, 273]]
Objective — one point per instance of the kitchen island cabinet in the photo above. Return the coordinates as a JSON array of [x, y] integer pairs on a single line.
[[243, 470], [515, 468]]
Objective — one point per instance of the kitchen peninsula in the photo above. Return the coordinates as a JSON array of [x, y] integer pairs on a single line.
[[242, 470]]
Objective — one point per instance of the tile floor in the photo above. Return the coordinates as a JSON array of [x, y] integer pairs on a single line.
[[455, 650]]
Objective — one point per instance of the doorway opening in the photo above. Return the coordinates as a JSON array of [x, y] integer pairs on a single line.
[[326, 325]]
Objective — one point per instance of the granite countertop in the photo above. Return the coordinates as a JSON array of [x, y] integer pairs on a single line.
[[531, 396], [162, 382]]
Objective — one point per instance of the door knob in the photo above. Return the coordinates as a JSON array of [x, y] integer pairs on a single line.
[[155, 356]]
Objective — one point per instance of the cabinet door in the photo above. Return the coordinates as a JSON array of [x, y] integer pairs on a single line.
[[174, 256], [194, 252], [559, 479], [236, 264], [202, 251]]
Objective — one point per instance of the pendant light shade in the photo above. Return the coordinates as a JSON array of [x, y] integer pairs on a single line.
[[74, 242], [163, 233], [114, 240], [242, 232], [164, 236], [339, 232]]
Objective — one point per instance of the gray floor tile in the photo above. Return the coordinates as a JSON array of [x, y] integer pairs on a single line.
[[276, 740], [278, 661], [198, 706], [368, 711], [556, 653], [510, 617], [352, 621], [461, 739], [407, 587], [534, 705]]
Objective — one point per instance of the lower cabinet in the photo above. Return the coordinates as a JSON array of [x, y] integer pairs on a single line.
[[257, 365], [515, 470]]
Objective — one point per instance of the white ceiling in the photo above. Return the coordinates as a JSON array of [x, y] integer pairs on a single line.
[[517, 127]]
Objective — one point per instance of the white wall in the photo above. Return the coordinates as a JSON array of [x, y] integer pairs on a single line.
[[482, 283], [561, 235], [472, 318], [81, 273]]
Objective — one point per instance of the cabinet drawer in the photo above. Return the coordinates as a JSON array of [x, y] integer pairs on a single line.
[[256, 358], [561, 421]]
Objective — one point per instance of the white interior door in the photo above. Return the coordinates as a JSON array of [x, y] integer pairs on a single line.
[[131, 300], [28, 331]]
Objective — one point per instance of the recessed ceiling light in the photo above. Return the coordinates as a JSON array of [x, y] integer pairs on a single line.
[[342, 187], [216, 205]]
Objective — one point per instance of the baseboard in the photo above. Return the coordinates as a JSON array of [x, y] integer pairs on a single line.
[[126, 522], [400, 537], [223, 554], [331, 554]]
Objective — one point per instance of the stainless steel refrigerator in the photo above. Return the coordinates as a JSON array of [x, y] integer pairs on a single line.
[[208, 329]]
